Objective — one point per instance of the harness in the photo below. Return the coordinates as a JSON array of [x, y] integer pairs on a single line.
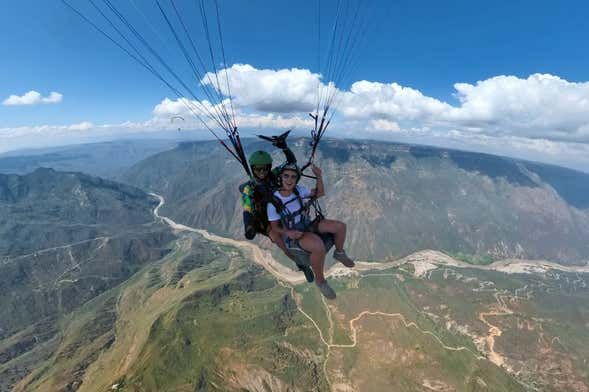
[[289, 219], [261, 196]]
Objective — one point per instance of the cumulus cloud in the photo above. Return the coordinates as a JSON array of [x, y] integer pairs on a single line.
[[58, 131], [64, 134], [187, 107], [389, 101], [385, 125], [280, 91], [32, 98], [539, 107], [83, 126], [541, 117], [54, 97]]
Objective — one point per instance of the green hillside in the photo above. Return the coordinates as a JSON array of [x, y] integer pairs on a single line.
[[206, 317]]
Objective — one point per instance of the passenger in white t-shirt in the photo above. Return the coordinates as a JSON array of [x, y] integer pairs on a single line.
[[295, 223]]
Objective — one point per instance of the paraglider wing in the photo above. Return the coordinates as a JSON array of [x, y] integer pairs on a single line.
[[177, 118]]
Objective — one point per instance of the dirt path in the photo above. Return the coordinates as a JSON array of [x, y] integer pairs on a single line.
[[8, 259], [407, 324], [494, 332]]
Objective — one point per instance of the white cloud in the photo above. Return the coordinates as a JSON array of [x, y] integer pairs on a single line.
[[385, 125], [541, 117], [39, 136], [539, 107], [56, 131], [169, 108], [54, 97], [271, 121], [266, 90], [83, 126], [389, 101], [186, 108], [32, 98]]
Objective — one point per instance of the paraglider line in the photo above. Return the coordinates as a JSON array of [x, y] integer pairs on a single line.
[[209, 91], [210, 114]]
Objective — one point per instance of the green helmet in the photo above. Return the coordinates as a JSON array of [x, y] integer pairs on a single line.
[[260, 158]]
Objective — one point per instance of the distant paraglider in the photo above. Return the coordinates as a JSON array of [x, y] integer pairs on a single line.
[[177, 119]]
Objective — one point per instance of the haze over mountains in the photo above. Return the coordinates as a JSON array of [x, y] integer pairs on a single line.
[[98, 294], [107, 159]]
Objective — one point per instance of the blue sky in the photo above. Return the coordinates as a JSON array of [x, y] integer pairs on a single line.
[[414, 54]]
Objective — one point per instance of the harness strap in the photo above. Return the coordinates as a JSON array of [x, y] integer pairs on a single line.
[[288, 218]]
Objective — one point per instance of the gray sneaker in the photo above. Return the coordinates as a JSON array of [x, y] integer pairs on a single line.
[[343, 258], [326, 290]]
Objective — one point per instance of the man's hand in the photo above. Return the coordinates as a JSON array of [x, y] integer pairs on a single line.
[[316, 170]]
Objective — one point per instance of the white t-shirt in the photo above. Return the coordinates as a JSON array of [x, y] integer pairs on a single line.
[[292, 206]]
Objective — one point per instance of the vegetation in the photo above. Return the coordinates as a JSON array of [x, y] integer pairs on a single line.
[[473, 259]]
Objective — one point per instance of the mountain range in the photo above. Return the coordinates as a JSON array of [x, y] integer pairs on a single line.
[[99, 292], [397, 199], [65, 238]]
